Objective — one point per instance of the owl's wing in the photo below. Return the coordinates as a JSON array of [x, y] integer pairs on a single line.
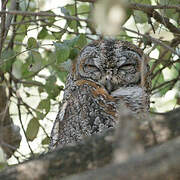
[[55, 130], [134, 97]]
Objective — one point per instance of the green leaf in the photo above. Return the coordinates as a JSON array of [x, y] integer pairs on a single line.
[[32, 129], [53, 92], [32, 43], [66, 65], [23, 5], [33, 63], [51, 80], [141, 1], [40, 116], [74, 53], [159, 79], [65, 11], [70, 8], [44, 104], [83, 8], [62, 52], [17, 68], [45, 141], [70, 43], [22, 30], [8, 56], [73, 25], [58, 35], [80, 41], [140, 17], [164, 89], [25, 70], [52, 89], [51, 57], [35, 55], [50, 19], [42, 34], [62, 76], [168, 2], [164, 54]]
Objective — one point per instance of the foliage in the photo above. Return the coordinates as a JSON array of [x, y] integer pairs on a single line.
[[37, 50]]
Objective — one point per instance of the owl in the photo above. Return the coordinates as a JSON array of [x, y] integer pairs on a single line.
[[105, 73]]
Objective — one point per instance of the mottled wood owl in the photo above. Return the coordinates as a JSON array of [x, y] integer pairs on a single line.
[[106, 72]]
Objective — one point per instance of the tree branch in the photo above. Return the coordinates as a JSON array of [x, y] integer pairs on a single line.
[[97, 151], [149, 10], [93, 152], [162, 162], [154, 40], [26, 13], [90, 1]]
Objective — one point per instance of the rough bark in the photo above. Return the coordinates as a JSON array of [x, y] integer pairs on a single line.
[[93, 152], [162, 162]]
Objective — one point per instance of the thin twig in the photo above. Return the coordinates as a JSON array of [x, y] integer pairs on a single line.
[[76, 15], [42, 13], [167, 65], [157, 41], [13, 148], [22, 126], [3, 24], [147, 6], [166, 83]]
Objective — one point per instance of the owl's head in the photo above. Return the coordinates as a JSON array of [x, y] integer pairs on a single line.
[[111, 63]]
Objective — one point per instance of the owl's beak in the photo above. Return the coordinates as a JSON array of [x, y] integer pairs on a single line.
[[108, 85]]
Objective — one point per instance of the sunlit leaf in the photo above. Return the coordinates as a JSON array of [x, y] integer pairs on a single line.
[[51, 79], [70, 8], [40, 116], [65, 11], [66, 65], [42, 34], [53, 91], [73, 25], [74, 53], [170, 13], [62, 52], [162, 91], [46, 141], [23, 5], [141, 1], [80, 41], [159, 79], [83, 8], [44, 104], [140, 17], [8, 56], [50, 19], [32, 43], [17, 68], [32, 129], [58, 35]]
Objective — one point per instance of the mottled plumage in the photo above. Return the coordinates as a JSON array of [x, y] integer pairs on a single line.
[[105, 73]]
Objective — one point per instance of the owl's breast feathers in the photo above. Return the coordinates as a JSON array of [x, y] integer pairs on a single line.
[[102, 97]]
